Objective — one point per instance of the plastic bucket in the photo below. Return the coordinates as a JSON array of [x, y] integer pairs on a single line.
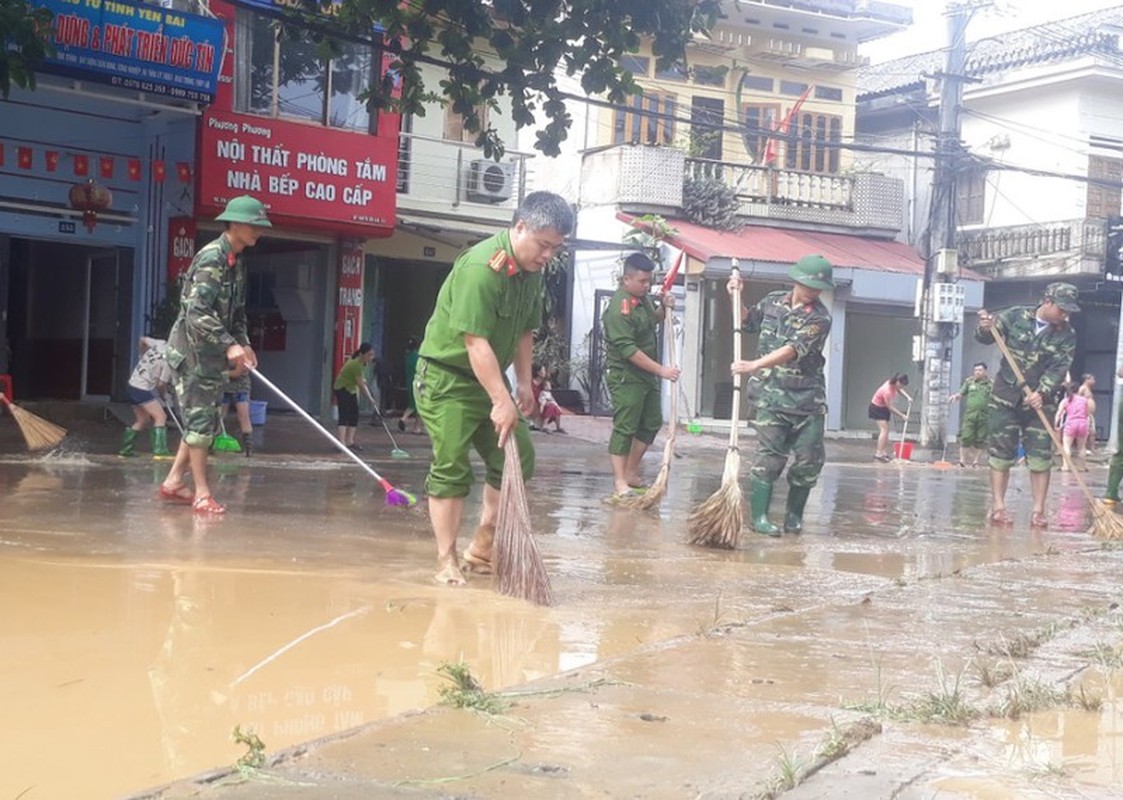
[[257, 411], [903, 450]]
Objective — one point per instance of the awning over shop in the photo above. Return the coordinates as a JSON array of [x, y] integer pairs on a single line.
[[784, 246], [455, 233]]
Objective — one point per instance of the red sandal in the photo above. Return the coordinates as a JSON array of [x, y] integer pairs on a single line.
[[180, 494], [207, 505]]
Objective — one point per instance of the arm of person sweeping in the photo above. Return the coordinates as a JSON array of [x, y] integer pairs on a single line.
[[524, 379], [485, 366]]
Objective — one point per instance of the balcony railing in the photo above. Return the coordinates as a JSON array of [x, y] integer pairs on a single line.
[[755, 184], [1010, 249], [441, 173]]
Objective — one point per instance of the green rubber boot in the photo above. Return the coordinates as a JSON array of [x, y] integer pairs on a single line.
[[759, 500], [797, 501], [127, 444], [160, 443], [1114, 475]]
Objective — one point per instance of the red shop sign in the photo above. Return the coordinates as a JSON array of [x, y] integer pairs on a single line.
[[181, 246], [307, 175]]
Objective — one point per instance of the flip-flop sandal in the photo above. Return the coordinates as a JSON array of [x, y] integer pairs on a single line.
[[207, 505], [641, 489], [1038, 520], [1000, 518], [616, 499], [177, 495]]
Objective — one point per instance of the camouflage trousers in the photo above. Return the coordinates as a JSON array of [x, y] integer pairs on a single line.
[[1007, 426], [779, 434], [198, 388]]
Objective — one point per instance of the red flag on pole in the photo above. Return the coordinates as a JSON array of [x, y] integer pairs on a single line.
[[1, 155], [781, 128], [81, 166], [52, 160], [23, 157], [184, 170], [159, 170], [134, 169], [105, 167]]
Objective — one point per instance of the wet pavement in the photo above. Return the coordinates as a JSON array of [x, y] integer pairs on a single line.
[[135, 637]]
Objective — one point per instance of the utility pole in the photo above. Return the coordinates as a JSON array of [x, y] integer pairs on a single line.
[[938, 308]]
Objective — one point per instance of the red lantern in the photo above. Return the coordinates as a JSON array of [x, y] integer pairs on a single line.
[[90, 198]]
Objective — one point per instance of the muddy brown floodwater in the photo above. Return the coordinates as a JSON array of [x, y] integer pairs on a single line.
[[134, 638]]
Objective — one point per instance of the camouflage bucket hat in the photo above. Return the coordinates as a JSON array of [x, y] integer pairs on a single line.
[[245, 209], [1064, 296], [814, 272]]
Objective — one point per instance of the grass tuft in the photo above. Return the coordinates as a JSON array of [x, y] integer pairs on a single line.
[[467, 692]]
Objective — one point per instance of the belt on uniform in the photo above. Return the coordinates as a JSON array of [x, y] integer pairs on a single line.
[[463, 373]]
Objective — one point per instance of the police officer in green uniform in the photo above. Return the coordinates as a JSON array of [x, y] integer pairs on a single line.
[[1043, 344], [209, 343], [484, 320], [789, 389], [634, 371], [973, 427]]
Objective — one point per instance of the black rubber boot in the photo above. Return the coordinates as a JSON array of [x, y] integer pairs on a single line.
[[127, 443], [797, 501], [247, 444], [760, 498]]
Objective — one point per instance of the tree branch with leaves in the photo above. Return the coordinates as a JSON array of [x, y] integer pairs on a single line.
[[25, 42]]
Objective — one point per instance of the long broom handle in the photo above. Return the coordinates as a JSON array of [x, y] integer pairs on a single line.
[[735, 416], [340, 446], [1001, 342]]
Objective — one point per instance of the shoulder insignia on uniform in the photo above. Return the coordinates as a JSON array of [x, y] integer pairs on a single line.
[[625, 307], [502, 259]]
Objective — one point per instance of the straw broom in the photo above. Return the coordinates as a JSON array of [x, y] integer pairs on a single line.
[[654, 494], [1105, 522], [40, 434], [519, 571], [717, 521]]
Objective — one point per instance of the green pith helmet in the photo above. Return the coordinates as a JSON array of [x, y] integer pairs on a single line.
[[814, 272], [245, 209]]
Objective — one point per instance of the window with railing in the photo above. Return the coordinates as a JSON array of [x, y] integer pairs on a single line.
[[759, 120], [812, 144], [285, 77], [649, 119], [454, 129], [1103, 188]]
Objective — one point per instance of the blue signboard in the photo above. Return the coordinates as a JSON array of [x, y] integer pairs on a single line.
[[137, 46]]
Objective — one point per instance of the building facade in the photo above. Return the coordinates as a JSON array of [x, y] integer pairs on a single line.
[[1039, 174]]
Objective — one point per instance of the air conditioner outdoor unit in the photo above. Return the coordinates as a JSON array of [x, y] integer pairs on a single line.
[[490, 181]]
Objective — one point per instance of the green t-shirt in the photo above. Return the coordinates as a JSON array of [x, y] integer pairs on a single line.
[[629, 328], [487, 295], [976, 393], [350, 375]]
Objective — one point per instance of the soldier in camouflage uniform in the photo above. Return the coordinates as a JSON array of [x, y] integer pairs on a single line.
[[208, 342], [1042, 342], [487, 311], [633, 372], [790, 391]]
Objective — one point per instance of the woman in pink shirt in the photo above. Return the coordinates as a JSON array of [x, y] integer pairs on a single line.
[[1074, 410], [881, 411]]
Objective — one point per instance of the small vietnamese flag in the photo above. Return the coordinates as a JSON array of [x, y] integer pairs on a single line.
[[134, 169], [23, 157], [184, 170], [105, 167], [52, 160], [158, 171], [81, 166], [1, 155]]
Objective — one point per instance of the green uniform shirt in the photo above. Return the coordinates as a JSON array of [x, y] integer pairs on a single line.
[[629, 328], [350, 375], [1044, 357], [487, 295], [797, 387], [976, 393], [212, 307]]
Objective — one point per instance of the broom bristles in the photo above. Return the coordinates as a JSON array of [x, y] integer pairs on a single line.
[[38, 433], [717, 520], [1105, 522], [658, 488], [519, 569]]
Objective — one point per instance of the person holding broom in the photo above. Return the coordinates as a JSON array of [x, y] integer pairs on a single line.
[[1043, 343], [634, 372], [791, 396], [484, 320], [208, 344]]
